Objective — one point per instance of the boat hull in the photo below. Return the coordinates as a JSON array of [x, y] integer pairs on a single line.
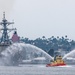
[[50, 65]]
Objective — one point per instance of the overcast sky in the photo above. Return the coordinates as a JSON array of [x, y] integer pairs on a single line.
[[37, 18]]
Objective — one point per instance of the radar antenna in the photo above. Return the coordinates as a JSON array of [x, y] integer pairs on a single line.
[[5, 29]]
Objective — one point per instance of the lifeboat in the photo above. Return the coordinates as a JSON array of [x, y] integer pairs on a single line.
[[57, 62]]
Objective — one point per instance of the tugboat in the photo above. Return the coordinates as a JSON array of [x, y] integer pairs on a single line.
[[4, 40], [57, 62]]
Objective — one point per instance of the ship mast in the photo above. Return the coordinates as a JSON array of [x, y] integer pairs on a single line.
[[5, 30]]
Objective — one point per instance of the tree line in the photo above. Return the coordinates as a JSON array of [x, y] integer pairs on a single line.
[[55, 43]]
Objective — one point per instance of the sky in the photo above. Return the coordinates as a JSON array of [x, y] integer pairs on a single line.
[[37, 18]]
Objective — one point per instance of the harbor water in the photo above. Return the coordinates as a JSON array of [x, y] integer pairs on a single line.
[[36, 70]]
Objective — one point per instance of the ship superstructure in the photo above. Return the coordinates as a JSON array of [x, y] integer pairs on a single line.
[[4, 40]]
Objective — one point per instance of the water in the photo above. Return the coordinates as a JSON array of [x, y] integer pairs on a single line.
[[69, 58], [11, 62], [70, 54], [21, 53], [36, 70]]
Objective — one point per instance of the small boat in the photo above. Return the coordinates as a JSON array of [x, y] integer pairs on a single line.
[[57, 62]]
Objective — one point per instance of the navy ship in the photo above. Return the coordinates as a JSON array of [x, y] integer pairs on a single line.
[[4, 40]]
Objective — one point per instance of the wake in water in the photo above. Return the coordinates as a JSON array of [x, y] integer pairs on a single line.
[[18, 52]]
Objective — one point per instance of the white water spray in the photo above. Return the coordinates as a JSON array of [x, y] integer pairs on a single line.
[[70, 54], [20, 51]]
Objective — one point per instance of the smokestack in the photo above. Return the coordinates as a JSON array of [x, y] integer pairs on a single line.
[[15, 37]]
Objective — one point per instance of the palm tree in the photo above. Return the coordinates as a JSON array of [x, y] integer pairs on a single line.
[[43, 37]]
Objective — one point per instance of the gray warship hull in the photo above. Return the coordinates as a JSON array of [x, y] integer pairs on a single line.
[[3, 47]]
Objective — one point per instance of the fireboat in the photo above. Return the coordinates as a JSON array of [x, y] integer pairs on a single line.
[[4, 40], [58, 61]]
